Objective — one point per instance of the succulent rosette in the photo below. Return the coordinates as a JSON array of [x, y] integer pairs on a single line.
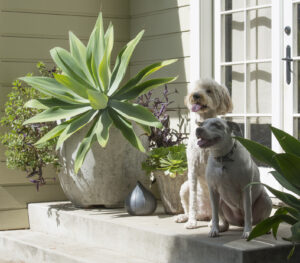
[[89, 92]]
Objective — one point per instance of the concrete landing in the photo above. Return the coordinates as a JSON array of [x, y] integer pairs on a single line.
[[152, 238]]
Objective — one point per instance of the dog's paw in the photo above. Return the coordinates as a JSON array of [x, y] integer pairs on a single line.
[[182, 218], [214, 232], [246, 234], [191, 224], [224, 226]]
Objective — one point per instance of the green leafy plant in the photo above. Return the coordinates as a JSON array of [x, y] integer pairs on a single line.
[[287, 173], [172, 160], [89, 92], [21, 153]]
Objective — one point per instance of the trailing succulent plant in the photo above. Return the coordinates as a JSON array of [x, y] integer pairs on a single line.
[[21, 153], [287, 173], [88, 91]]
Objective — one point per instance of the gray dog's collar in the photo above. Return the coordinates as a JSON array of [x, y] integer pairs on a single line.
[[227, 157]]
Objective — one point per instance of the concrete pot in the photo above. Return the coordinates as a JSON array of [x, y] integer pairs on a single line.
[[107, 175], [169, 189]]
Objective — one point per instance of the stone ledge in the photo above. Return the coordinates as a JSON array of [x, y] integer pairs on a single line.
[[156, 238]]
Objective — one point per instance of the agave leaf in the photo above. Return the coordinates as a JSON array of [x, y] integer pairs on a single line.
[[122, 63], [52, 88], [98, 99], [143, 74], [74, 126], [284, 197], [102, 128], [56, 131], [84, 147], [70, 66], [260, 152], [72, 84], [288, 143], [136, 113], [284, 182], [143, 88], [104, 67], [266, 225], [57, 113], [126, 129], [290, 167], [44, 104]]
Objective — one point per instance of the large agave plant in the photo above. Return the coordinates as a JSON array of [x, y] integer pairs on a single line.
[[89, 92]]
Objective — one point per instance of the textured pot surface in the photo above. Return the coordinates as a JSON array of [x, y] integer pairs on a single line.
[[107, 174], [169, 189]]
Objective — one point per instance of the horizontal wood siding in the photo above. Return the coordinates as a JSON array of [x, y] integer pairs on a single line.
[[167, 33], [29, 29]]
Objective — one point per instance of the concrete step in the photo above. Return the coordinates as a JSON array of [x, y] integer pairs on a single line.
[[155, 238], [26, 246]]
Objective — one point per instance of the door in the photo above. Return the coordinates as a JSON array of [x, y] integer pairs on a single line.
[[248, 60], [291, 48]]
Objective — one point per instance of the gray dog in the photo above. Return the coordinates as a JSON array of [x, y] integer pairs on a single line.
[[229, 170]]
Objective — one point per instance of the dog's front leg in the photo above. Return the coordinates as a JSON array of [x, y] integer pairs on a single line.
[[214, 201], [192, 179], [247, 205]]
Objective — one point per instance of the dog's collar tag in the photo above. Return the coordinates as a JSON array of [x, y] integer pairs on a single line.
[[227, 157]]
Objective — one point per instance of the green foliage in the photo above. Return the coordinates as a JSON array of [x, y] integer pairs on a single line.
[[88, 91], [172, 160], [287, 173], [19, 139]]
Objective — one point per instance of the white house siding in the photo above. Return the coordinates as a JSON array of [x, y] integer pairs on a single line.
[[167, 32], [28, 30]]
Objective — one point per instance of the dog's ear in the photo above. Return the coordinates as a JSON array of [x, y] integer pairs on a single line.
[[225, 102], [235, 128]]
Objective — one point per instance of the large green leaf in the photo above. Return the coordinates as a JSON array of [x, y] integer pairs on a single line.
[[102, 128], [143, 74], [75, 125], [136, 113], [126, 129], [44, 104], [98, 99], [104, 67], [143, 88], [52, 88], [284, 182], [95, 50], [260, 152], [72, 84], [275, 226], [70, 66], [266, 225], [284, 197], [288, 143], [295, 229], [57, 113], [290, 167], [84, 147], [56, 131], [122, 63]]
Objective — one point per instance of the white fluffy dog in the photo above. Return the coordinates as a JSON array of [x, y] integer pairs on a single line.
[[207, 99]]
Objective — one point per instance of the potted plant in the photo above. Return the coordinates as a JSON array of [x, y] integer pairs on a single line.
[[90, 100], [21, 153], [286, 172], [166, 160]]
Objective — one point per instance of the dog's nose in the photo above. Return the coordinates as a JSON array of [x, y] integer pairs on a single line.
[[199, 132], [196, 96]]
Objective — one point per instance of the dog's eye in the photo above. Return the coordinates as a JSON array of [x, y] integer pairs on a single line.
[[208, 91], [217, 125]]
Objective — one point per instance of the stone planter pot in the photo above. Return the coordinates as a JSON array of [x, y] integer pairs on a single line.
[[107, 174], [169, 189]]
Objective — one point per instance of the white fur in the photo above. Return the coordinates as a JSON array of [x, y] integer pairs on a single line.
[[194, 192]]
